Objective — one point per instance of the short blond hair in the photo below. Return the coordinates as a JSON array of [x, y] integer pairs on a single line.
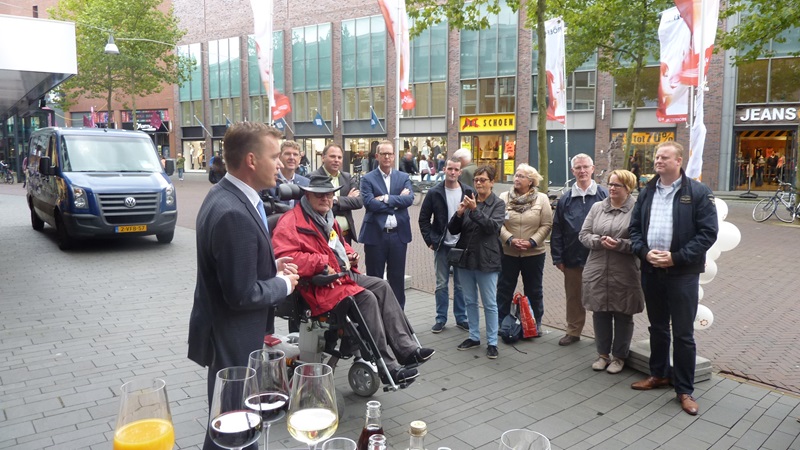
[[531, 173], [626, 177], [674, 144]]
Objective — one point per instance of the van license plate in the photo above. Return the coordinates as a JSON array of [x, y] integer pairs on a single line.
[[131, 229]]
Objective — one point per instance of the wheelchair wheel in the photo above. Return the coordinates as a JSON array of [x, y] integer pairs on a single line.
[[363, 379]]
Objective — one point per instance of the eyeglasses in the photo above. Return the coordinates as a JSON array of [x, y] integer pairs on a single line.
[[521, 175], [323, 194], [386, 155], [616, 185], [481, 180]]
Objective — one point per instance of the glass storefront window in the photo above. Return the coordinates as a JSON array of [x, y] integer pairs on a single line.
[[752, 82], [497, 150], [783, 86]]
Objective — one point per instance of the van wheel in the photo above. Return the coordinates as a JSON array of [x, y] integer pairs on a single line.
[[36, 222], [65, 242], [165, 238]]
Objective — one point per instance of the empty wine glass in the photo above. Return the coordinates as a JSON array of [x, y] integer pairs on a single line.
[[232, 424], [339, 443], [272, 398], [523, 440], [144, 419], [313, 415]]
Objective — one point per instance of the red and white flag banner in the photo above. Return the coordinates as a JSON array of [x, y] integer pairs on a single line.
[[394, 13], [673, 95], [554, 66], [262, 31], [701, 16], [697, 140]]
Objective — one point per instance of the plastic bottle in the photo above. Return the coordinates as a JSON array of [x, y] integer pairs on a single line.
[[418, 430], [372, 424], [377, 442]]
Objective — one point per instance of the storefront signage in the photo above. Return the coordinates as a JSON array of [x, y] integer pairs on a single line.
[[746, 115], [495, 122], [654, 137]]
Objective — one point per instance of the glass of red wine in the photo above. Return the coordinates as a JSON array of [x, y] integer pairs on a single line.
[[232, 425], [272, 398]]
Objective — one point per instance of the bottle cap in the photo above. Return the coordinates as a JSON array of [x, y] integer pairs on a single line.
[[419, 428]]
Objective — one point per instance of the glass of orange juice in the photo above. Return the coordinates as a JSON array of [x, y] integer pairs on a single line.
[[144, 421]]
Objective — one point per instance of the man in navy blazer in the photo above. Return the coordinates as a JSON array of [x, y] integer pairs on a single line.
[[239, 281], [386, 230]]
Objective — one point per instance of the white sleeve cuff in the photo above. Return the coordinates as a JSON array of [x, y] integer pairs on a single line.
[[288, 283]]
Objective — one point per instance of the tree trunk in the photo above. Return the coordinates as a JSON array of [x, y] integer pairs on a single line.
[[637, 95], [133, 100], [541, 92]]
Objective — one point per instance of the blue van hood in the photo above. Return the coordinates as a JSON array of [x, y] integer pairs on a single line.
[[119, 182]]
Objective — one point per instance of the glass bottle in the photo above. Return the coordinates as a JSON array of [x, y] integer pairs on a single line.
[[418, 431], [377, 442], [372, 424]]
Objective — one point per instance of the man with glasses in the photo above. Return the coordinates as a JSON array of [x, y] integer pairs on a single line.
[[386, 230], [437, 209], [348, 198], [310, 235], [569, 255]]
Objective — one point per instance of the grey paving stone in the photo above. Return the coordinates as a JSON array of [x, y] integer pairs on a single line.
[[779, 441], [705, 431]]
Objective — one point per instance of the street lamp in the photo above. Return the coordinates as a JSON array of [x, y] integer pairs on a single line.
[[111, 49]]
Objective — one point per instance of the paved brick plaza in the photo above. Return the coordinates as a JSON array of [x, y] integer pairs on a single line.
[[76, 325]]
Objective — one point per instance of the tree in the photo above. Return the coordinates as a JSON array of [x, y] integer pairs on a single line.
[[773, 20], [623, 33], [146, 38]]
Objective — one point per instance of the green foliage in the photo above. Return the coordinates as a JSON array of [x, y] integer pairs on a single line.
[[760, 22], [460, 15], [146, 39]]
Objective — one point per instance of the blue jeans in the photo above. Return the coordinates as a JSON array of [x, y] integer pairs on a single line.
[[180, 173], [442, 291], [486, 282]]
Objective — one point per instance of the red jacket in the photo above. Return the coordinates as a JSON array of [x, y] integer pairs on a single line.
[[297, 236]]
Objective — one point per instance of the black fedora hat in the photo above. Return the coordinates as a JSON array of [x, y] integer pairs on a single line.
[[320, 184]]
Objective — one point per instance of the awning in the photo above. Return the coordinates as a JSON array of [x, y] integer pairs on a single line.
[[763, 133], [36, 55]]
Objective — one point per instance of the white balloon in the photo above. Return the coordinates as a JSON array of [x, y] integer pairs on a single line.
[[722, 209], [710, 273], [700, 292], [713, 253], [728, 236], [704, 318]]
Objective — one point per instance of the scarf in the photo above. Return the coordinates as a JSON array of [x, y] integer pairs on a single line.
[[326, 224], [521, 203]]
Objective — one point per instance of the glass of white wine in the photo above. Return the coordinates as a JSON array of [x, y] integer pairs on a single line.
[[313, 415]]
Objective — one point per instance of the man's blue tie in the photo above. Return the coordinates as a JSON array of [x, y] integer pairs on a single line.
[[263, 214]]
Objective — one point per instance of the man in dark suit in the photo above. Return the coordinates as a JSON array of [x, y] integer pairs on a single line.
[[348, 198], [386, 230], [239, 281], [290, 159]]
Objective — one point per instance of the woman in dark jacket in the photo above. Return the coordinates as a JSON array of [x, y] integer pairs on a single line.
[[478, 220]]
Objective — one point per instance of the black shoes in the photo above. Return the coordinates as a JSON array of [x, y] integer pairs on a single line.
[[437, 327], [463, 325], [403, 375], [491, 352], [419, 356], [468, 344]]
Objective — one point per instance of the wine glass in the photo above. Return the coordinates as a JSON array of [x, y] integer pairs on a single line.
[[272, 397], [231, 424], [339, 443], [523, 440], [313, 415], [144, 419]]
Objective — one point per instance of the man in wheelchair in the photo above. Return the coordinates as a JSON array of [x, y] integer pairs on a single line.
[[310, 234]]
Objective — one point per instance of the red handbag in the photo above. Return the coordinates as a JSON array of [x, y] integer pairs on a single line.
[[529, 329]]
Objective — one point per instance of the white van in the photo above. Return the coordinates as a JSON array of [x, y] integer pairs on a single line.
[[92, 182]]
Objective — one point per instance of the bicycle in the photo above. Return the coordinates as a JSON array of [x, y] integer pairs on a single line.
[[421, 188], [554, 194], [782, 204], [7, 174]]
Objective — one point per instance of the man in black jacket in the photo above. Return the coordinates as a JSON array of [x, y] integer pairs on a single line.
[[439, 205], [673, 225], [569, 255]]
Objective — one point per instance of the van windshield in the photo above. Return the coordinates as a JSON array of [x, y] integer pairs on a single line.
[[108, 154]]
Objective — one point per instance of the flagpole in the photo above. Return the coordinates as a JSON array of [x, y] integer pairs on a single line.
[[397, 32], [566, 135]]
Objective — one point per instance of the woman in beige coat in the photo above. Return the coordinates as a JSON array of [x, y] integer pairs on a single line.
[[612, 287], [528, 221]]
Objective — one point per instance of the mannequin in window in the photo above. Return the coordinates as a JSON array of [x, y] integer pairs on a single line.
[[772, 165], [759, 162]]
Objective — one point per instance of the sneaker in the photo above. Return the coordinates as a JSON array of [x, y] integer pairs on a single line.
[[600, 364], [468, 344], [491, 352], [437, 327], [615, 366], [463, 325]]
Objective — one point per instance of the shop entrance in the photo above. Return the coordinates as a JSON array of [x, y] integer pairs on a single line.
[[312, 147], [496, 150], [763, 157], [194, 151]]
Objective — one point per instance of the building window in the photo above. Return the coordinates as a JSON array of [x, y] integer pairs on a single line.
[[306, 105], [488, 96], [259, 101], [190, 93], [581, 84], [429, 72], [224, 80], [311, 72], [364, 67], [188, 112]]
